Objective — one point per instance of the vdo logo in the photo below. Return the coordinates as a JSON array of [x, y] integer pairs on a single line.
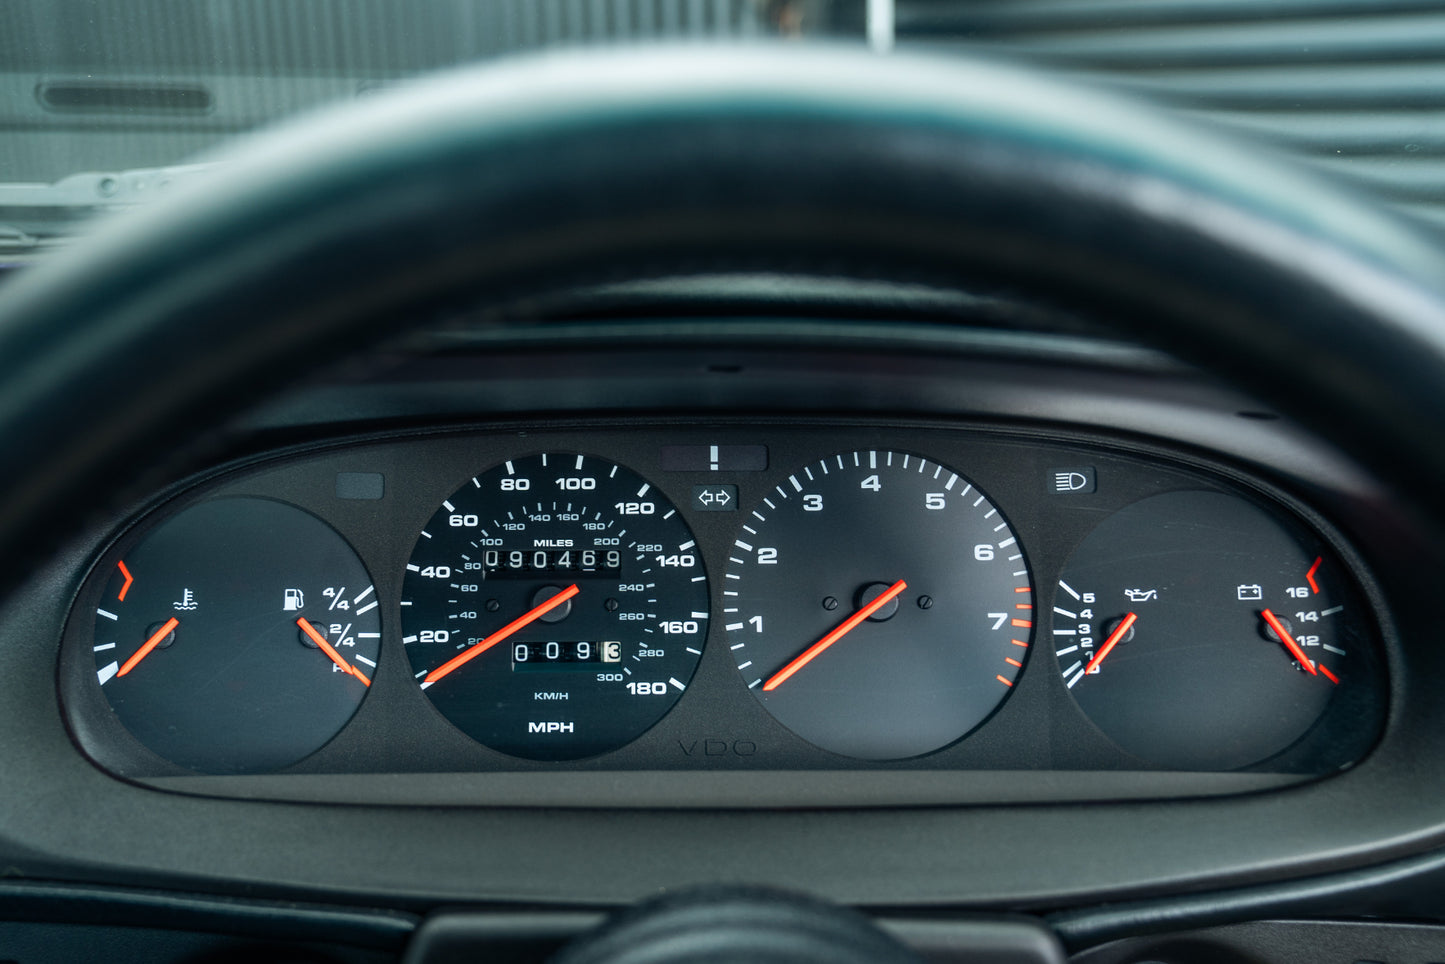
[[718, 748]]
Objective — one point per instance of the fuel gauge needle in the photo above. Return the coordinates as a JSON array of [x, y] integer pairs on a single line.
[[522, 621], [850, 624], [1120, 631], [1289, 643], [330, 650], [145, 649]]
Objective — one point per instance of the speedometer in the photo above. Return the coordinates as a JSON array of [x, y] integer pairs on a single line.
[[555, 607]]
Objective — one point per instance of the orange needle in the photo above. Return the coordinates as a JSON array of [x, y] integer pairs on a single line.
[[1289, 643], [148, 645], [531, 616], [330, 650], [1120, 631], [848, 626]]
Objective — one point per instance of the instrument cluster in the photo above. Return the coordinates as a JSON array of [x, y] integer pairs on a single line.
[[738, 596]]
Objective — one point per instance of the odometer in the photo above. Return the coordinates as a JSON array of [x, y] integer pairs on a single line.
[[555, 607]]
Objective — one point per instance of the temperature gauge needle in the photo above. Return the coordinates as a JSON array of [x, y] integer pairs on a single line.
[[813, 651], [145, 649], [531, 616], [330, 650], [1289, 643], [1120, 631]]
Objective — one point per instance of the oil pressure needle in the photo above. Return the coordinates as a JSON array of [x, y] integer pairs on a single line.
[[1120, 631], [150, 644], [812, 652], [330, 650], [531, 616], [1289, 643]]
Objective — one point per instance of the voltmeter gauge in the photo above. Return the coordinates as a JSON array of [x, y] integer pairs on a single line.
[[1198, 631], [555, 607]]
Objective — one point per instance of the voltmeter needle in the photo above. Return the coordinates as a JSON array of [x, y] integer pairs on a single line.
[[1289, 643], [852, 622], [531, 616]]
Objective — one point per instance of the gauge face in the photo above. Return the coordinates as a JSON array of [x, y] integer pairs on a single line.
[[878, 605], [239, 636], [1198, 633], [555, 607]]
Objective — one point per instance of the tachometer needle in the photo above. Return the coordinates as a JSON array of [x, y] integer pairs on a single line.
[[531, 616], [330, 650], [1120, 631], [145, 649], [1289, 643], [812, 652]]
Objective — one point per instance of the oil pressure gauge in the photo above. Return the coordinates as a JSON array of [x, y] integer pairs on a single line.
[[1197, 631]]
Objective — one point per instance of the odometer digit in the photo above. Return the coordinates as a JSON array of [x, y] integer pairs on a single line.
[[555, 607]]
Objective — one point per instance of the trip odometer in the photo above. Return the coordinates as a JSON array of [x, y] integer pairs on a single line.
[[555, 607]]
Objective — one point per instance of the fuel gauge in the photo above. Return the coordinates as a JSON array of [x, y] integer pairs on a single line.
[[1198, 632], [238, 636]]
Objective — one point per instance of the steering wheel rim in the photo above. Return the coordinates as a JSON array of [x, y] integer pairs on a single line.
[[490, 183]]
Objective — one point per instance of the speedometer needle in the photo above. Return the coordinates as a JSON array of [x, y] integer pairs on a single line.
[[330, 650], [471, 653], [148, 645], [812, 652], [1120, 631], [1289, 643]]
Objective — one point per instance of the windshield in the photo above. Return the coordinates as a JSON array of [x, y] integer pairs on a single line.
[[106, 103]]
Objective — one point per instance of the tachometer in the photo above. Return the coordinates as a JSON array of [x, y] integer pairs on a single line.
[[555, 607], [878, 605]]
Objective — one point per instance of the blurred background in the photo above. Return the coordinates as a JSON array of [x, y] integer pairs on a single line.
[[105, 103]]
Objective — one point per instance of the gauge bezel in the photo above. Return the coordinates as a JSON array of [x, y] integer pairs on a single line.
[[440, 770]]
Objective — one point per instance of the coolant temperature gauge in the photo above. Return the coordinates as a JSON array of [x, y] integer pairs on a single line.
[[238, 636], [1197, 632]]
